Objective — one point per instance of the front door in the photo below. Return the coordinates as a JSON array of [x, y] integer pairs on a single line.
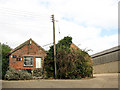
[[38, 62]]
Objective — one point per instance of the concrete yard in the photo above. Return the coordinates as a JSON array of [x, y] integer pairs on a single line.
[[109, 80]]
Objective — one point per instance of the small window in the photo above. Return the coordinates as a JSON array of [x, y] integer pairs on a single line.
[[28, 61], [14, 56], [18, 59]]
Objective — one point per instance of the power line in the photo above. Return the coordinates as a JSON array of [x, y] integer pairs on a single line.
[[47, 44], [25, 16], [33, 19], [19, 11], [11, 23], [59, 32], [24, 13], [58, 26]]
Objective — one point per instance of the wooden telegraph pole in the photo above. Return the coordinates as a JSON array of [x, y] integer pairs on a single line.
[[53, 20]]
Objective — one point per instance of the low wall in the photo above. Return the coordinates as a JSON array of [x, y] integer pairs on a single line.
[[107, 61]]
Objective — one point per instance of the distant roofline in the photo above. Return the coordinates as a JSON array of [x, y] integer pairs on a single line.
[[113, 49], [75, 46]]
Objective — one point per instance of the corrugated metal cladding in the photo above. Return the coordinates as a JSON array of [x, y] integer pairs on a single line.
[[106, 56]]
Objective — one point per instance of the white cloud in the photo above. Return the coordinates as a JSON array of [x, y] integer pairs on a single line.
[[24, 19], [101, 13], [100, 43], [88, 37]]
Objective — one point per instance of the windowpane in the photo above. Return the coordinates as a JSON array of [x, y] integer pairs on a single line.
[[18, 59], [28, 61], [14, 56]]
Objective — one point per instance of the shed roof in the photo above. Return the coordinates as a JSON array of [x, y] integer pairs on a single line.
[[73, 46], [113, 49]]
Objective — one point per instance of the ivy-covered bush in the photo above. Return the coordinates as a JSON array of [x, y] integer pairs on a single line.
[[71, 63], [17, 74], [38, 72]]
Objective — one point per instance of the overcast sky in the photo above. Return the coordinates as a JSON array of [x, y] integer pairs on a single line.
[[93, 24]]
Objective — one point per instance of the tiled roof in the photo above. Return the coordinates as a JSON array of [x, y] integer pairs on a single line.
[[26, 42], [74, 46]]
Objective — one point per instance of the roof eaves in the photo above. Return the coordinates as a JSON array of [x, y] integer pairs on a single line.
[[21, 45], [38, 45], [76, 46]]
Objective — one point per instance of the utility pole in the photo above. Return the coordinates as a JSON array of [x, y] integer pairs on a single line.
[[53, 20]]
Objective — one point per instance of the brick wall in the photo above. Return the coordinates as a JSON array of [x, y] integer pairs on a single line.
[[73, 46], [26, 50]]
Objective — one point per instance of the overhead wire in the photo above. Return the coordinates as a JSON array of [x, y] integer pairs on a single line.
[[47, 44], [25, 15], [58, 27], [23, 12], [29, 16], [59, 32], [32, 26]]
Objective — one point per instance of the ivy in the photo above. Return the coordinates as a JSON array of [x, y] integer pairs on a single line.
[[71, 64]]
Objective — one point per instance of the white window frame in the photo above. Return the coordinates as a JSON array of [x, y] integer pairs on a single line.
[[30, 58]]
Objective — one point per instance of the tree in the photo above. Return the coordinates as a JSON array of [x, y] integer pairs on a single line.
[[70, 63], [5, 62]]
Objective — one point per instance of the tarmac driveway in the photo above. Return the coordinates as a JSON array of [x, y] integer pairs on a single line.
[[100, 81]]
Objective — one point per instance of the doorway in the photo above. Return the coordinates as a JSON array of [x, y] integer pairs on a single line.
[[38, 62]]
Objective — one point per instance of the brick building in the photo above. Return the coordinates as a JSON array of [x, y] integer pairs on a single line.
[[28, 55], [73, 46]]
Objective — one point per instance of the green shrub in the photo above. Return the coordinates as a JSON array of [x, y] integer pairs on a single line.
[[38, 72], [4, 49], [71, 64], [49, 68], [17, 74], [24, 75]]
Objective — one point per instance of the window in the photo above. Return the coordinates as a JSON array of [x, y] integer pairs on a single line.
[[14, 56], [19, 59], [28, 61]]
